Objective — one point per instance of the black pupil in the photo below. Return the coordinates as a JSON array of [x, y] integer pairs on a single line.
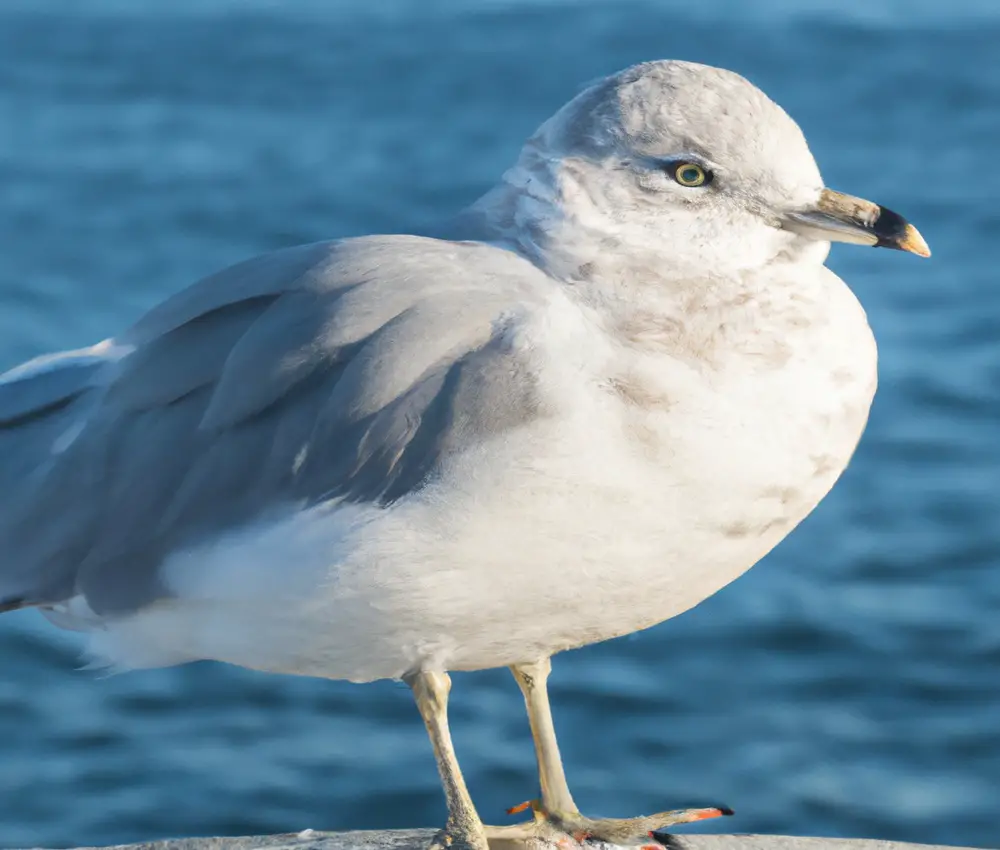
[[690, 175]]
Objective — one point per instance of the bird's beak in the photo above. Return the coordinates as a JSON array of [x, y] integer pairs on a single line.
[[843, 218]]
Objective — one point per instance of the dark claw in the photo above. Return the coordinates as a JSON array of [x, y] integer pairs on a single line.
[[668, 839]]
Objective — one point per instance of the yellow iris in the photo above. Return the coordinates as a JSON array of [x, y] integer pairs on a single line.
[[689, 174]]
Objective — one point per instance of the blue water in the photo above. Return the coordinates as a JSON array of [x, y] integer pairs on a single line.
[[848, 685]]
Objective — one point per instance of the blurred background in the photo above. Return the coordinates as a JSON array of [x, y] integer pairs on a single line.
[[847, 686]]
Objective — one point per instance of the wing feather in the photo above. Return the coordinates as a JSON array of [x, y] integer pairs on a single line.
[[342, 370]]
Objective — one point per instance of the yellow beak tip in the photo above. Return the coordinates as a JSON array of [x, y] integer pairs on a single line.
[[913, 242]]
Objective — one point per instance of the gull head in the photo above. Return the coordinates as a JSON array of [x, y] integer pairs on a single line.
[[683, 166]]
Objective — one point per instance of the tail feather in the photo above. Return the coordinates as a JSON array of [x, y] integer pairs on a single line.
[[13, 603], [44, 405]]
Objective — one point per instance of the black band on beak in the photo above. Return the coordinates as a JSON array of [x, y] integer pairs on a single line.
[[891, 229]]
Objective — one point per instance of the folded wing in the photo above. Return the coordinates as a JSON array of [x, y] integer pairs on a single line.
[[341, 371]]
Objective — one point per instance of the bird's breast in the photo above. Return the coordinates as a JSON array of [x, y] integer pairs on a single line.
[[718, 456]]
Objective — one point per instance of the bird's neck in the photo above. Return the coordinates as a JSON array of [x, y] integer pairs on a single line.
[[544, 214], [551, 222], [632, 282]]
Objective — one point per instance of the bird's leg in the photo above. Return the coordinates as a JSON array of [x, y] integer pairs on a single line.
[[532, 679], [464, 830], [556, 813]]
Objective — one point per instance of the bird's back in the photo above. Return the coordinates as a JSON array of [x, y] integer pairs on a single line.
[[342, 370]]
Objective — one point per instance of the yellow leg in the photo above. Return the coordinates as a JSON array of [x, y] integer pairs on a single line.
[[464, 830], [556, 813], [533, 681]]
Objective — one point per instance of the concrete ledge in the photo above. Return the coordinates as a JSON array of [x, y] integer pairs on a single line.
[[418, 839]]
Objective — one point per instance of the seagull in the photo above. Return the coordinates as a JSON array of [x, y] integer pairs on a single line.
[[610, 386]]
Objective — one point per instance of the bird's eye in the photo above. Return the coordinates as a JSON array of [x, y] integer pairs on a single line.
[[691, 174]]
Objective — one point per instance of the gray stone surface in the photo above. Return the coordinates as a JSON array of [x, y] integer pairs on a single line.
[[417, 839]]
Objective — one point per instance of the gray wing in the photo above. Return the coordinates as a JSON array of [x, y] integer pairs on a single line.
[[339, 370]]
